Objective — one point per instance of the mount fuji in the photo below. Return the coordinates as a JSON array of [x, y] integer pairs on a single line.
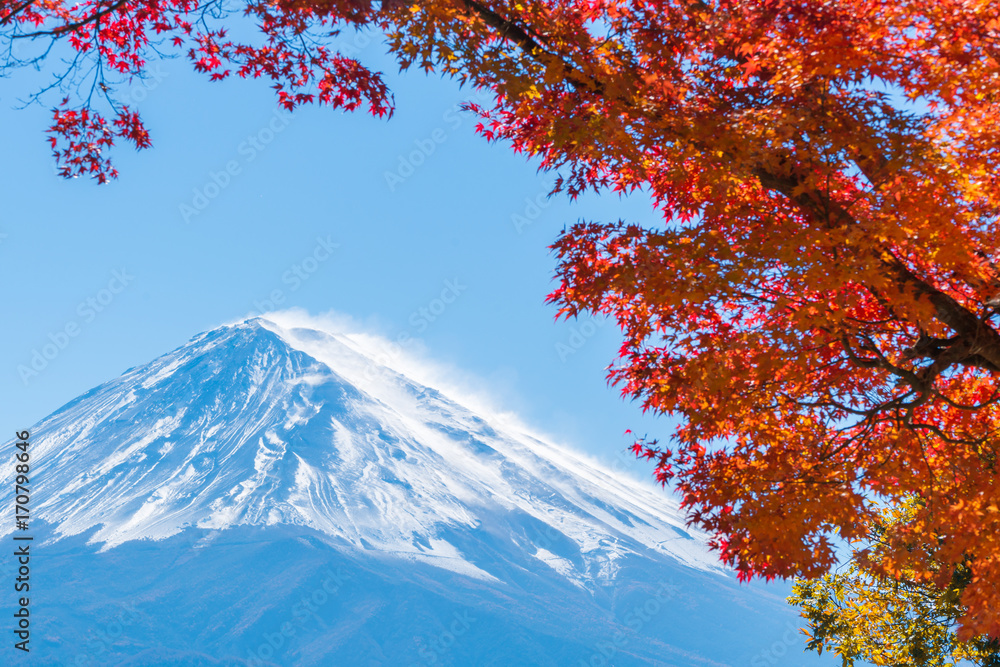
[[276, 494]]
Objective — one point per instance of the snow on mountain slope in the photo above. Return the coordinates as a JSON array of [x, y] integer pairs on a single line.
[[275, 494], [257, 424]]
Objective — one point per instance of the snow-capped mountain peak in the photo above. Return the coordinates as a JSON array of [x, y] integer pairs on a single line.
[[257, 424], [275, 494]]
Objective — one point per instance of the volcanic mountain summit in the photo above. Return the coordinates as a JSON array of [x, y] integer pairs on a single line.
[[222, 487]]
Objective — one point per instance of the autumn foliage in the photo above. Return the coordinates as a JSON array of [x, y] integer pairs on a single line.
[[899, 620], [819, 305]]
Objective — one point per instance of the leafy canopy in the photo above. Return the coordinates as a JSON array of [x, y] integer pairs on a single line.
[[897, 620], [818, 305]]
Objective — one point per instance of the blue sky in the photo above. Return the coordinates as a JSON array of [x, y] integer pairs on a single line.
[[237, 203], [380, 221]]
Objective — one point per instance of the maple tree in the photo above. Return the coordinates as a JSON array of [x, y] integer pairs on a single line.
[[895, 620], [819, 304]]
